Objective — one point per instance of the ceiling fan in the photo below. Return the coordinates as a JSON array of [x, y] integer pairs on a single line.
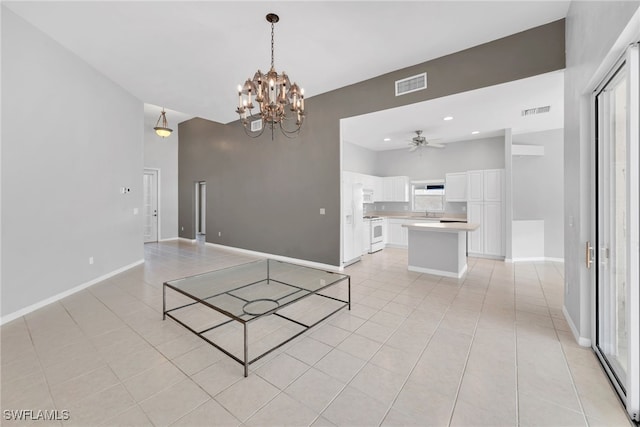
[[420, 141]]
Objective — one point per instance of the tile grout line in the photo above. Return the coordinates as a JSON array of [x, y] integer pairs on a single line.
[[564, 354], [360, 369], [424, 348], [466, 361], [515, 345]]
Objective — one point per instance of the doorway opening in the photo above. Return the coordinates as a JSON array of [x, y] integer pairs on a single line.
[[201, 209], [150, 205]]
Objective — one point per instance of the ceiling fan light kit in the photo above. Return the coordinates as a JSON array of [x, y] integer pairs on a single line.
[[420, 141], [273, 92]]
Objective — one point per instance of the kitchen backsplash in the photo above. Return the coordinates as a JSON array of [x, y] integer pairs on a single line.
[[380, 207]]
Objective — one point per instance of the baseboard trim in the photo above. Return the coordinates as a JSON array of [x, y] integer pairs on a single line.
[[535, 259], [438, 272], [52, 299], [582, 341], [303, 262], [169, 239]]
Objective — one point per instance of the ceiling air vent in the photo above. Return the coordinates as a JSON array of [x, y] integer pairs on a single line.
[[534, 111], [411, 84], [256, 125]]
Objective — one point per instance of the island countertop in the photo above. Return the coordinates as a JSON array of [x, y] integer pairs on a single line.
[[442, 226]]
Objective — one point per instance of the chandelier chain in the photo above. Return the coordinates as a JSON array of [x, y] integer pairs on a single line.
[[272, 49]]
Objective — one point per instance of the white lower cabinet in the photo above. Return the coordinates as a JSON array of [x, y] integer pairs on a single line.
[[488, 240], [396, 233], [475, 215], [494, 235]]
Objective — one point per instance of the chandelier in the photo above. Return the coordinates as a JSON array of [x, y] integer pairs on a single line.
[[162, 127], [274, 94]]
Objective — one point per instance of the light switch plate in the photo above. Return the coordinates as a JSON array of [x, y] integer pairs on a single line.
[[322, 211]]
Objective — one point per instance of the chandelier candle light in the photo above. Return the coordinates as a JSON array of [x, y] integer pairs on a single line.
[[272, 92]]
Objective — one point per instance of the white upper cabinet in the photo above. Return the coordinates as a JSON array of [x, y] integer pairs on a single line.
[[485, 185], [377, 189], [456, 187], [475, 186], [493, 185], [395, 189]]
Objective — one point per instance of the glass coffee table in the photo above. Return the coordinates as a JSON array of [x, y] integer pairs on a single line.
[[248, 292]]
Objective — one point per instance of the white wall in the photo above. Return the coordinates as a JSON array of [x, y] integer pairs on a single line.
[[592, 30], [433, 163], [538, 187], [162, 154], [71, 139], [358, 159]]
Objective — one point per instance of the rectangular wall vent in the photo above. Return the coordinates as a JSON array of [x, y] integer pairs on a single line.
[[534, 111], [411, 84], [256, 126]]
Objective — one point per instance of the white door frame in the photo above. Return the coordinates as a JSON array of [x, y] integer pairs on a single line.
[[631, 394], [200, 205]]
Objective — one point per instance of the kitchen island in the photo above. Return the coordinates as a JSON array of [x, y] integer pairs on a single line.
[[439, 248]]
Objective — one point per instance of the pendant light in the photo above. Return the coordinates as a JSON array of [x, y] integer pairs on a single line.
[[162, 127]]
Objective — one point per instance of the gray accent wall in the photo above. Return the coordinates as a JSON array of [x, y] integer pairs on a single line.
[[71, 138], [162, 154], [592, 30], [265, 195], [538, 187]]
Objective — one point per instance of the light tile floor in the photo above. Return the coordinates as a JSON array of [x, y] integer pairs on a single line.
[[491, 349]]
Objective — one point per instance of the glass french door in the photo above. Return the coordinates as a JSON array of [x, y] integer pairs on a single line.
[[616, 249]]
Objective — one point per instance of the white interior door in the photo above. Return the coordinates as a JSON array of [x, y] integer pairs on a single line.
[[150, 205], [616, 251]]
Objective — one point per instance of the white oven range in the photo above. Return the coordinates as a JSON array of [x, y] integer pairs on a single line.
[[376, 233]]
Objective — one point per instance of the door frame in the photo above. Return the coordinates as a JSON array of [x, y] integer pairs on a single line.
[[198, 208], [630, 394], [159, 201]]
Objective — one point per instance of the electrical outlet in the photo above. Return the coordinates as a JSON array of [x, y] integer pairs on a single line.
[[181, 228], [90, 260], [322, 211], [219, 233]]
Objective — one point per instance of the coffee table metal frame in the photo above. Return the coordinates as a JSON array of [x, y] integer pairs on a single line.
[[232, 317]]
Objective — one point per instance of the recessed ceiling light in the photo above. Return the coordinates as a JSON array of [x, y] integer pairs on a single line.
[[387, 139], [475, 132], [448, 118]]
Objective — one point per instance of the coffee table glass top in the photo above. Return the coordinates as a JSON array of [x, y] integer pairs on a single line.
[[248, 291]]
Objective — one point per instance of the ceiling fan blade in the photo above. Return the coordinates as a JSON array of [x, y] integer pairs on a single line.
[[433, 145], [414, 148]]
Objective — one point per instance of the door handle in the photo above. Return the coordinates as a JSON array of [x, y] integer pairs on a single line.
[[589, 254]]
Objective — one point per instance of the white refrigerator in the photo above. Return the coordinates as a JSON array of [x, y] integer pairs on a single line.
[[352, 221]]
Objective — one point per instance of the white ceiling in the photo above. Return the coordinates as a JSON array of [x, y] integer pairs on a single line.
[[190, 56], [488, 110]]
